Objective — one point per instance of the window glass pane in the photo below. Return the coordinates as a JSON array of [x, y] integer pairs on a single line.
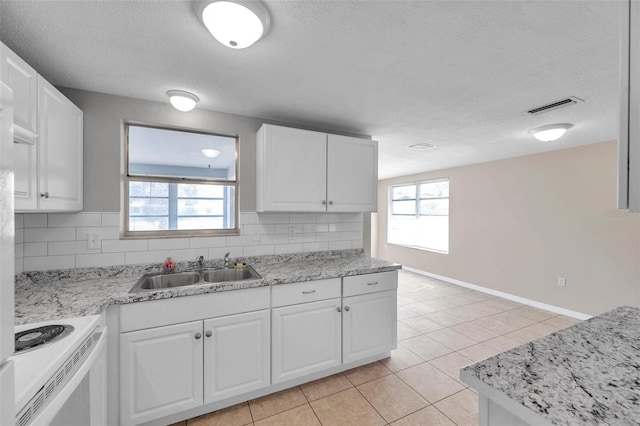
[[143, 223], [403, 192], [404, 207], [432, 232], [439, 207], [200, 223], [180, 154], [200, 191], [434, 189], [148, 207], [195, 207], [402, 230]]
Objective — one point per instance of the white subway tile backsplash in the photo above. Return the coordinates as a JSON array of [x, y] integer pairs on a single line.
[[56, 248], [315, 247], [60, 240], [273, 218], [206, 242], [315, 227], [303, 218], [66, 220], [108, 259], [33, 235], [19, 220], [287, 248], [112, 246], [35, 220], [111, 219], [168, 243], [35, 249], [44, 263], [259, 250]]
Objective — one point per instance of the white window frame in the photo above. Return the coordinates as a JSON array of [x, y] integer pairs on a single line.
[[418, 213], [175, 233]]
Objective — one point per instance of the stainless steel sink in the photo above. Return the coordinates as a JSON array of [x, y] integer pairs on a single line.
[[158, 281]]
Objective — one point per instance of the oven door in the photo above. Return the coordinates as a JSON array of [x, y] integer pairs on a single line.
[[82, 401]]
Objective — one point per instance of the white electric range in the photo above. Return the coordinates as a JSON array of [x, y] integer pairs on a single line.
[[61, 381]]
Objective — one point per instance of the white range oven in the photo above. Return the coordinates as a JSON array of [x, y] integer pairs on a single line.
[[60, 372]]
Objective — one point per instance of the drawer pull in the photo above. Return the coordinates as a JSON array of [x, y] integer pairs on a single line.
[[308, 292], [373, 283]]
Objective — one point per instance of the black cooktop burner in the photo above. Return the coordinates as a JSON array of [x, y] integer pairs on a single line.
[[41, 336]]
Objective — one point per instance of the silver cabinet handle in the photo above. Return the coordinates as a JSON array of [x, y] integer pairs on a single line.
[[330, 203], [308, 292], [208, 334], [373, 283], [346, 308], [324, 202], [198, 335], [44, 195], [339, 309]]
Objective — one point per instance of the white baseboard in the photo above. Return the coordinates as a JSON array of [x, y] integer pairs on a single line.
[[524, 301]]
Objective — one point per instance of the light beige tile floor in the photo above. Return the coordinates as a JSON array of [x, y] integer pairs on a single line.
[[441, 328]]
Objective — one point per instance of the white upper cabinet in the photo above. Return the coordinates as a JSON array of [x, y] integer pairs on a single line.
[[59, 151], [48, 140], [629, 137], [305, 171]]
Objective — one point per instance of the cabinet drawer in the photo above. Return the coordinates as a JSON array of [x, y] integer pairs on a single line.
[[369, 283], [311, 291]]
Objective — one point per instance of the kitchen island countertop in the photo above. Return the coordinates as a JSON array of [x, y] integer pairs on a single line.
[[587, 374], [72, 293]]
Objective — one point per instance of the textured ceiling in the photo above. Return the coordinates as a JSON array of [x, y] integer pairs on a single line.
[[457, 74]]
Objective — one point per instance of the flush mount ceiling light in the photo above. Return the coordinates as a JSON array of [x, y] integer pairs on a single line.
[[211, 153], [236, 24], [181, 100], [422, 146], [550, 132]]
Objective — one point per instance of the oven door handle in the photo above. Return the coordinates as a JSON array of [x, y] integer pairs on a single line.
[[49, 412]]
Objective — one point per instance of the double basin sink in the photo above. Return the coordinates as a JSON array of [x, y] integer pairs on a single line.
[[159, 281]]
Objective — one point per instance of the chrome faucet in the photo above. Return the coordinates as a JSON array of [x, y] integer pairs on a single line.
[[226, 260], [200, 261]]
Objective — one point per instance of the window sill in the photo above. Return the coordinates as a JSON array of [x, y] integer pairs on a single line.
[[419, 248], [202, 233]]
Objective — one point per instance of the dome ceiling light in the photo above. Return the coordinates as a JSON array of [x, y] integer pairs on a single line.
[[181, 100], [211, 153], [550, 132], [236, 24]]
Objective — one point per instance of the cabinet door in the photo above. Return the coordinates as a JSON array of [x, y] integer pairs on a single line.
[[59, 151], [352, 174], [291, 169], [306, 339], [160, 371], [369, 325], [23, 80], [25, 162], [236, 355]]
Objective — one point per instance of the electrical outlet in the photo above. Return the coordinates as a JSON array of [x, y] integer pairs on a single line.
[[93, 240], [292, 233], [562, 282]]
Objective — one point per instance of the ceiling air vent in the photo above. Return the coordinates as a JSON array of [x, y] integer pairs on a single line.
[[422, 146], [571, 100]]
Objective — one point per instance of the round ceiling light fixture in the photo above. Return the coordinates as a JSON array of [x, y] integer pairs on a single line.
[[211, 153], [550, 132], [236, 24], [181, 100]]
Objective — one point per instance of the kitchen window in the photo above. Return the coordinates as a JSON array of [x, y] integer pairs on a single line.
[[419, 215], [180, 182]]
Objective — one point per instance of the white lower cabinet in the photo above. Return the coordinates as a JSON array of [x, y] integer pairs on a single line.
[[168, 369], [160, 371], [306, 338], [368, 325], [236, 355]]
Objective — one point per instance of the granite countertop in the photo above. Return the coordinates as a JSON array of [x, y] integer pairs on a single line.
[[587, 374], [79, 292]]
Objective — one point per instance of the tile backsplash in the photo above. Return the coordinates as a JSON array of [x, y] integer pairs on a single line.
[[46, 241]]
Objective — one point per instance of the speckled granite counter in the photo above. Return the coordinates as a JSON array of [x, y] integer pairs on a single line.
[[587, 374], [79, 292]]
